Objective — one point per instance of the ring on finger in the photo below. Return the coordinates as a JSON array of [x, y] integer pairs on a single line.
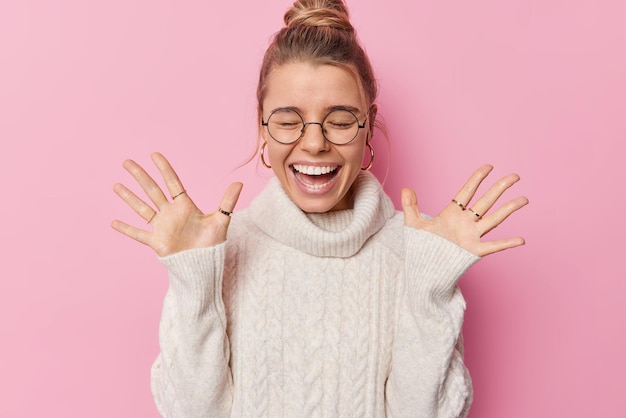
[[475, 213], [461, 205], [175, 196], [152, 217], [225, 212]]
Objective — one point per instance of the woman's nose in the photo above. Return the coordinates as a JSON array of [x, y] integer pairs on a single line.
[[313, 139]]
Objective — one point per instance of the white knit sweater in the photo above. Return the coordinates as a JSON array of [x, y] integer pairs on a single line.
[[341, 314]]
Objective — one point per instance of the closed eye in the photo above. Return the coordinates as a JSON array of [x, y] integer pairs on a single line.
[[337, 125], [288, 124]]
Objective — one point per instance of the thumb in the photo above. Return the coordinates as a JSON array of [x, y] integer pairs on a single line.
[[229, 200], [409, 206]]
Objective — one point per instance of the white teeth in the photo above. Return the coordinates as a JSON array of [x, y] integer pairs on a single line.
[[316, 186], [313, 170]]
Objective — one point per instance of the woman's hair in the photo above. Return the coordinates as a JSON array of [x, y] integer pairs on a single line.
[[318, 32]]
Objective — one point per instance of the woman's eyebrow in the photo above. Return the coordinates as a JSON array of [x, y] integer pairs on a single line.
[[296, 108], [352, 109]]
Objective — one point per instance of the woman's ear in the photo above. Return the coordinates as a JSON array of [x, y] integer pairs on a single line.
[[372, 119], [262, 130]]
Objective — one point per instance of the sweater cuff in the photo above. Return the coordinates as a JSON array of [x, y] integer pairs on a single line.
[[434, 265], [195, 271]]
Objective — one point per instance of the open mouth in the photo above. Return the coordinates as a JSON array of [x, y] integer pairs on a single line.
[[315, 177]]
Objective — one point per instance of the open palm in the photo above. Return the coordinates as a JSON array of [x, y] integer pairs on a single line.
[[177, 224], [465, 225]]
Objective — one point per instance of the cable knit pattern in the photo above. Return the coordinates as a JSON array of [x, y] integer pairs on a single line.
[[340, 314], [273, 211]]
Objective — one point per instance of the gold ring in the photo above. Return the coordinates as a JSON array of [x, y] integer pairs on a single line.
[[174, 197], [461, 205], [152, 217], [477, 215], [225, 212]]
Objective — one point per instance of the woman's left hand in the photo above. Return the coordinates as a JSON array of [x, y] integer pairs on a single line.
[[464, 224]]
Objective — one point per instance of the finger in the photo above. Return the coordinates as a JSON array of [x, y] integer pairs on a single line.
[[471, 185], [132, 232], [491, 247], [140, 207], [409, 206], [229, 200], [496, 218], [173, 183], [485, 203], [146, 182]]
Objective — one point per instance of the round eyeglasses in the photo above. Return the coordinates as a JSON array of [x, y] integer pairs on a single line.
[[339, 127]]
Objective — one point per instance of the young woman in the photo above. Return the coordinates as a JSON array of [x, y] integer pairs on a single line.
[[319, 299]]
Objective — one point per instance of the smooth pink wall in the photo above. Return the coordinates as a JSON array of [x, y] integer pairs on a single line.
[[536, 87]]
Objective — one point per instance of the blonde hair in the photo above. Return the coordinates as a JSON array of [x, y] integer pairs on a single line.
[[318, 32]]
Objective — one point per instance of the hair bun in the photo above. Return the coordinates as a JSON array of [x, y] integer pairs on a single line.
[[320, 13]]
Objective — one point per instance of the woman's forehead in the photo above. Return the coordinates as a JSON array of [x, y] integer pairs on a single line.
[[318, 87]]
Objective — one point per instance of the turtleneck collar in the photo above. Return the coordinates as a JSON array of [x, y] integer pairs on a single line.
[[331, 234]]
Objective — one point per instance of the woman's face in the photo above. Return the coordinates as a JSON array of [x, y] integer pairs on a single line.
[[313, 91]]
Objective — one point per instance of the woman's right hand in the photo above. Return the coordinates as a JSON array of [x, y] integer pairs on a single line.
[[177, 224]]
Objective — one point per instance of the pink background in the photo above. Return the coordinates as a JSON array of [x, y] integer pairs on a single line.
[[532, 86]]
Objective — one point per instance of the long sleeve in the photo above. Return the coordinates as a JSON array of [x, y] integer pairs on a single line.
[[428, 377], [191, 375]]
